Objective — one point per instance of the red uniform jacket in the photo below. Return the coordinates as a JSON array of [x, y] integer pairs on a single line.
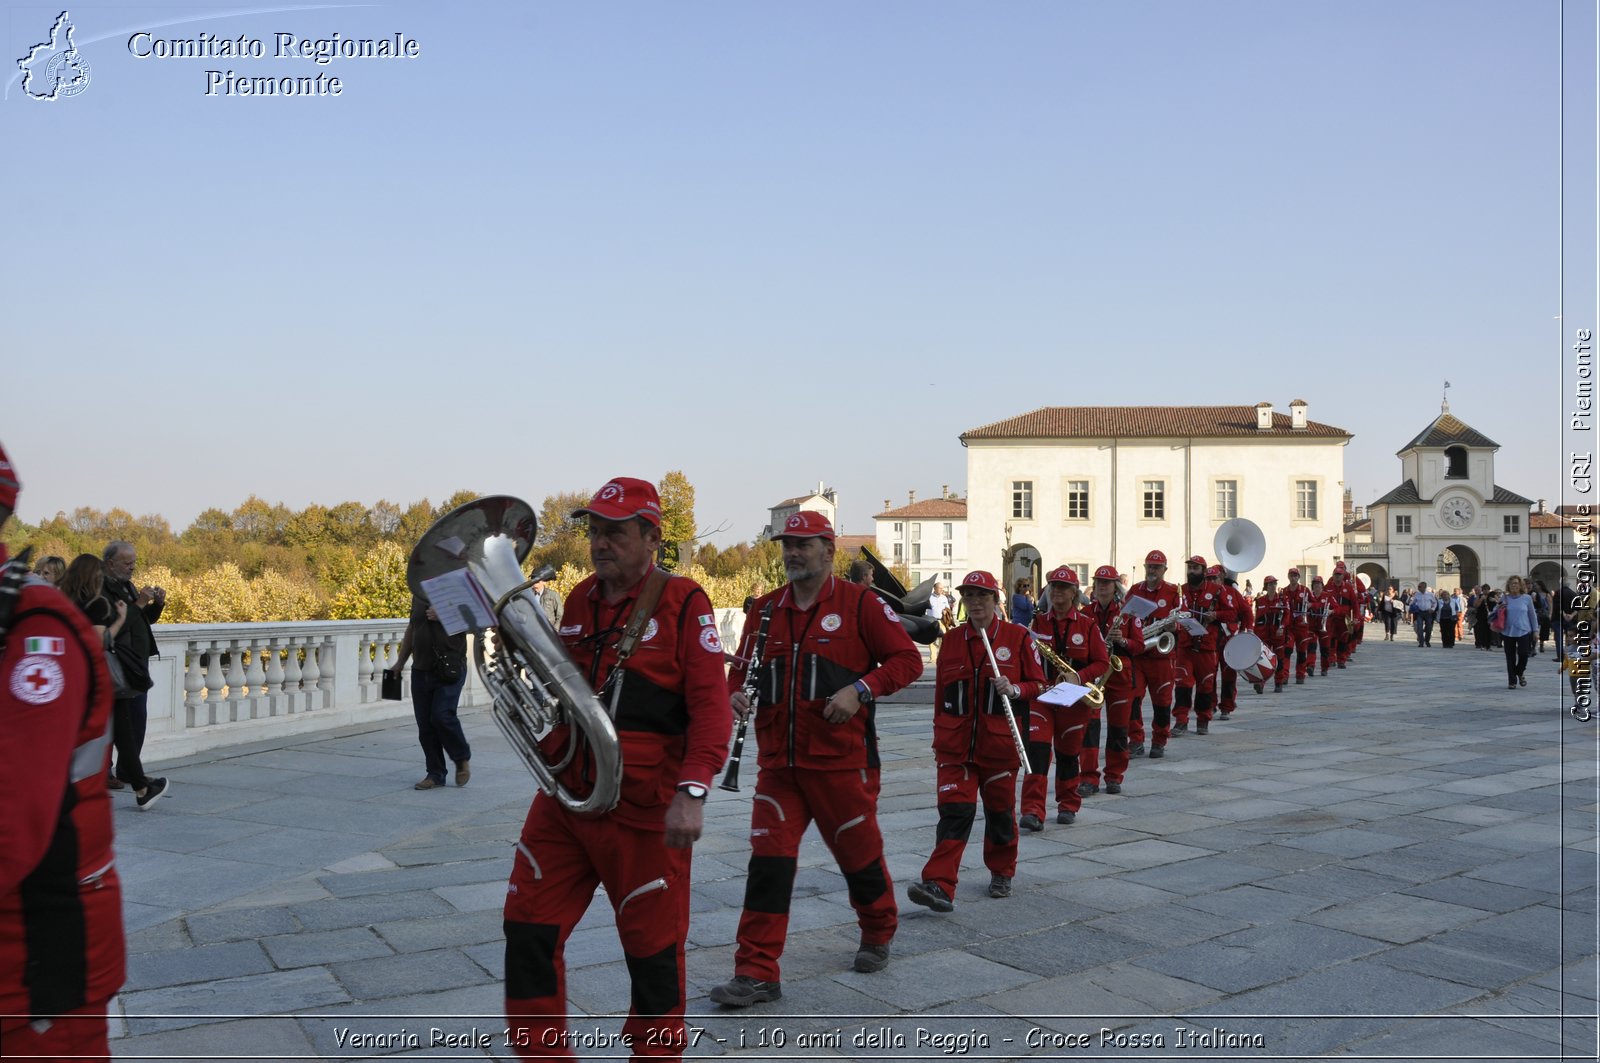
[[672, 716], [1207, 598], [1319, 612], [848, 634], [1298, 600], [969, 720], [1272, 613], [1244, 616], [1075, 637], [1165, 595], [1128, 626], [61, 944]]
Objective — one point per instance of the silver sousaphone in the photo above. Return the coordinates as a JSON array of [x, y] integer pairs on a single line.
[[535, 685]]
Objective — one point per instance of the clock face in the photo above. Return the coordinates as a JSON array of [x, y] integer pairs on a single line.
[[1457, 511]]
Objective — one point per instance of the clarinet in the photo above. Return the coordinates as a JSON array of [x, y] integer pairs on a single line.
[[730, 780]]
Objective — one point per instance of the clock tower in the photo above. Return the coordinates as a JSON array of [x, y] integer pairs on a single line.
[[1448, 524]]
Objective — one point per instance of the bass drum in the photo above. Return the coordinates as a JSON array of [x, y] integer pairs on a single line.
[[1253, 659]]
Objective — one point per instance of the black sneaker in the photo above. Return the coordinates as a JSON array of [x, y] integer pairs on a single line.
[[870, 959], [1277, 688], [1299, 680], [1225, 713], [154, 790], [1260, 688], [1137, 750], [1031, 823], [1065, 818], [741, 991], [1180, 728], [930, 895], [999, 887], [1087, 789], [1203, 727], [1113, 787], [1157, 752]]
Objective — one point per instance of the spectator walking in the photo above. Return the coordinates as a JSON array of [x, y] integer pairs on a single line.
[[436, 682], [1447, 619], [1542, 609], [130, 714], [1424, 607], [1517, 632], [549, 601], [1022, 605], [1563, 614], [84, 585], [1389, 611], [51, 569]]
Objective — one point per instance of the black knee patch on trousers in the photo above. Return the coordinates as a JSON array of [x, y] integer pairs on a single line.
[[1117, 739], [999, 826], [530, 960], [1202, 701], [769, 884], [1038, 758], [955, 821], [1184, 697], [1067, 768], [1091, 734], [867, 884], [1163, 715], [655, 982]]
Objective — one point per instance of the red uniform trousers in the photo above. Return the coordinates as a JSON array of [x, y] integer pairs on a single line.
[[1153, 674], [1325, 647], [1339, 640], [1305, 645], [961, 783], [77, 1035], [845, 807], [1228, 685], [1062, 728], [1196, 677], [1119, 704], [560, 860]]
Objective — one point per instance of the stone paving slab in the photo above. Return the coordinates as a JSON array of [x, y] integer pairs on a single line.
[[1332, 855]]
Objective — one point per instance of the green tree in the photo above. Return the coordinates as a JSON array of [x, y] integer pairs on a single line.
[[377, 588], [677, 508], [460, 498]]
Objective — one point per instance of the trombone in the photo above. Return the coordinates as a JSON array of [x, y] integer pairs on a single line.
[[1097, 688]]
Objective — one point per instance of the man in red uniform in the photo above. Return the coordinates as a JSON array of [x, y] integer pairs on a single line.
[[1124, 637], [1156, 672], [1073, 636], [1197, 654], [1297, 600], [1321, 617], [61, 943], [831, 650], [1274, 629], [973, 742], [1340, 615], [1244, 620], [670, 706]]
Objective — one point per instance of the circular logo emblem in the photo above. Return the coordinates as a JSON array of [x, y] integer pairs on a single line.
[[795, 521], [37, 679], [1003, 653], [650, 630], [608, 492], [709, 641], [1077, 638], [1161, 603], [831, 622], [889, 612]]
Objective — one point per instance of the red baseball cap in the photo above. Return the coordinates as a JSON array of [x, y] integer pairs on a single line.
[[1062, 575], [1196, 560], [1294, 572], [1107, 572], [1215, 570], [807, 524], [1316, 579], [624, 498], [1156, 557], [980, 580], [1270, 579], [10, 486]]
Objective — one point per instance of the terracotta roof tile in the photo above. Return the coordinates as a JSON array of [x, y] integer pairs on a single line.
[[1547, 520], [931, 508], [1127, 422]]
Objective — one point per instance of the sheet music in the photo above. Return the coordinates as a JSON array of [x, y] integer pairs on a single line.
[[1063, 694], [459, 602], [1139, 608], [1193, 627]]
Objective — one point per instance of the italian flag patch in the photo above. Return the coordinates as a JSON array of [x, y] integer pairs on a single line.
[[51, 647]]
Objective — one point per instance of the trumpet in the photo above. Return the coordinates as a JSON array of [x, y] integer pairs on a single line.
[[1096, 695], [1161, 631]]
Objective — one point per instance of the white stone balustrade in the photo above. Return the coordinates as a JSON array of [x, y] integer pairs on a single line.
[[228, 684]]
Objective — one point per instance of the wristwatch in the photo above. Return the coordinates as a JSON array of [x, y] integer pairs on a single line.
[[694, 790], [864, 693]]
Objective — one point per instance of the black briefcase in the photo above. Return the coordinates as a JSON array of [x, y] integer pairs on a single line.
[[391, 685]]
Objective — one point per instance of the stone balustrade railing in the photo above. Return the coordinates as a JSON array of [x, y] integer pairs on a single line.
[[226, 684]]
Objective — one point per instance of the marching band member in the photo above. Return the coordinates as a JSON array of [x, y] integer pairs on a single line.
[[973, 744], [1272, 627], [831, 650], [1321, 615], [1244, 619], [673, 722], [1297, 598], [1073, 636], [1339, 615], [1155, 671], [1124, 637], [1197, 662]]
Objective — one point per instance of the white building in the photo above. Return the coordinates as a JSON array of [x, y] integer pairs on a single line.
[[928, 537], [1448, 523], [1552, 542], [822, 500], [1090, 485]]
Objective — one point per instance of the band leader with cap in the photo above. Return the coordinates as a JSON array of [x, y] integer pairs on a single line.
[[1107, 572], [623, 499], [807, 524], [980, 581], [1062, 575], [1156, 557]]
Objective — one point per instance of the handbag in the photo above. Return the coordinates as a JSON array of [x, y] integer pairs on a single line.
[[391, 685], [119, 675], [135, 669], [448, 665], [1497, 620]]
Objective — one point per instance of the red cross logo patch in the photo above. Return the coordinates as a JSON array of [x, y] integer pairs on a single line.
[[37, 679]]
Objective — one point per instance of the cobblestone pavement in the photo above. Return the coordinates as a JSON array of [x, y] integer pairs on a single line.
[[1395, 861]]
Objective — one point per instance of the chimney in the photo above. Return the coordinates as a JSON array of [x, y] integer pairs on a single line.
[[944, 490], [913, 496], [1541, 505], [831, 495], [1297, 414], [1264, 416], [886, 505]]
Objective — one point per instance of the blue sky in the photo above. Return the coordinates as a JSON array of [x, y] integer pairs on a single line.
[[779, 243]]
